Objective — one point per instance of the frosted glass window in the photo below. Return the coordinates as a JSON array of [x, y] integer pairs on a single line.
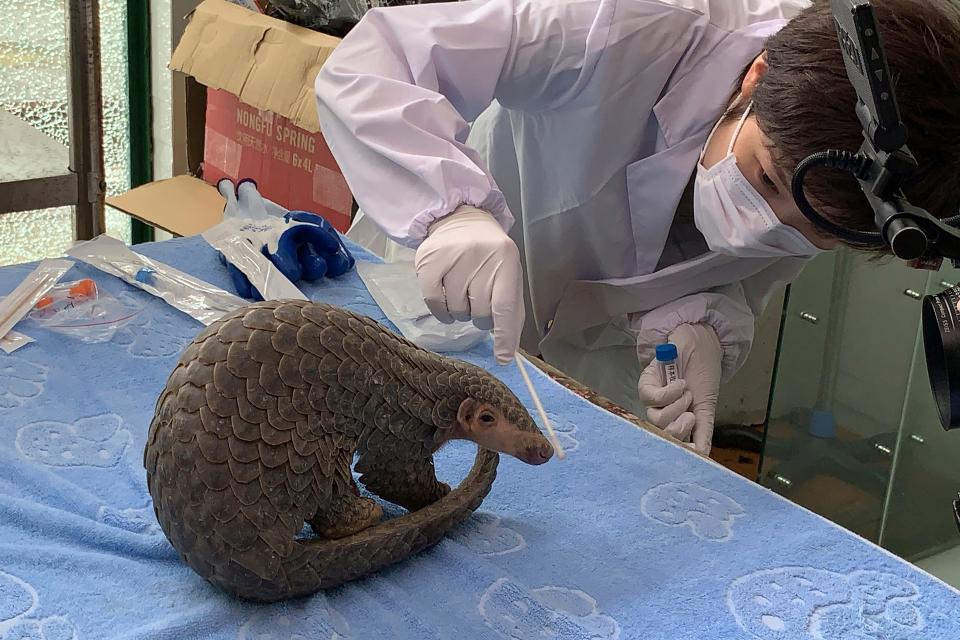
[[33, 87], [161, 81], [116, 108]]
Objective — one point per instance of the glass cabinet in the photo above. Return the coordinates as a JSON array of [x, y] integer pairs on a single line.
[[918, 523], [852, 430]]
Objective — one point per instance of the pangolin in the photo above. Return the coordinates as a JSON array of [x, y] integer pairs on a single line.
[[256, 429]]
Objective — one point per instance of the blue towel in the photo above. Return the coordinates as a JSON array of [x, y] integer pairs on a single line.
[[628, 537]]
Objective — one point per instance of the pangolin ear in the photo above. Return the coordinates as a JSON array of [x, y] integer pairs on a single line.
[[467, 412]]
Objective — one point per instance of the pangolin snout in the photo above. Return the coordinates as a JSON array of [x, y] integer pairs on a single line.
[[537, 452]]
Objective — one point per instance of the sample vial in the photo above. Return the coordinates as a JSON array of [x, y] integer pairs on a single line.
[[667, 357]]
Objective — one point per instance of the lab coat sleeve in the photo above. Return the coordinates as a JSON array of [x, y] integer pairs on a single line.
[[397, 94], [730, 310]]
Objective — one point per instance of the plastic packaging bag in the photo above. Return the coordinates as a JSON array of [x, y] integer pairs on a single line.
[[20, 301], [80, 310], [336, 17], [198, 299], [365, 232], [268, 250], [227, 238], [247, 4], [394, 287]]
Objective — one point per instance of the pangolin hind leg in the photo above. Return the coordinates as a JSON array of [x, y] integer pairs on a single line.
[[348, 512], [411, 482]]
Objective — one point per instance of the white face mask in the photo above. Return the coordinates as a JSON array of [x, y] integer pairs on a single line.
[[734, 218]]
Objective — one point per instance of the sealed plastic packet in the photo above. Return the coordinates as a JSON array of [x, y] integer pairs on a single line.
[[80, 310], [198, 299], [395, 289], [227, 238], [15, 306]]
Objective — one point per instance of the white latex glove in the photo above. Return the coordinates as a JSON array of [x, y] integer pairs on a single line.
[[469, 268], [686, 408], [262, 220], [245, 201]]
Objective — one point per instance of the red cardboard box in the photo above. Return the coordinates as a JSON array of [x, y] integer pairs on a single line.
[[292, 166], [252, 113]]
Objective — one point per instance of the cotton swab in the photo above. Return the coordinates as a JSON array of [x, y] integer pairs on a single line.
[[543, 414]]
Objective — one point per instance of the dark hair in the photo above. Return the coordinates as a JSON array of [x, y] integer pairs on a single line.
[[805, 103]]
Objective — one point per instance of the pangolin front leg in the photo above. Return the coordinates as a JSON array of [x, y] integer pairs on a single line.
[[409, 482], [348, 512]]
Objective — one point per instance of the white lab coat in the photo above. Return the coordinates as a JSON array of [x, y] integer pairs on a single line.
[[582, 120]]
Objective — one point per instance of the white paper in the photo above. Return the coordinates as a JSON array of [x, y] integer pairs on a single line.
[[14, 340]]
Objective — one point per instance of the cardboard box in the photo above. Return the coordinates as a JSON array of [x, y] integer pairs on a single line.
[[255, 77], [183, 206], [292, 166]]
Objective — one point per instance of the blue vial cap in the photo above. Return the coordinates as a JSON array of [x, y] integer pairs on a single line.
[[144, 275], [666, 352]]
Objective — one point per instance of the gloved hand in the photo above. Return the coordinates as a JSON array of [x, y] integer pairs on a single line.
[[468, 268], [686, 407], [301, 245]]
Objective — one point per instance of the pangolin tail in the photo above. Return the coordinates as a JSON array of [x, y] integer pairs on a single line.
[[323, 564]]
